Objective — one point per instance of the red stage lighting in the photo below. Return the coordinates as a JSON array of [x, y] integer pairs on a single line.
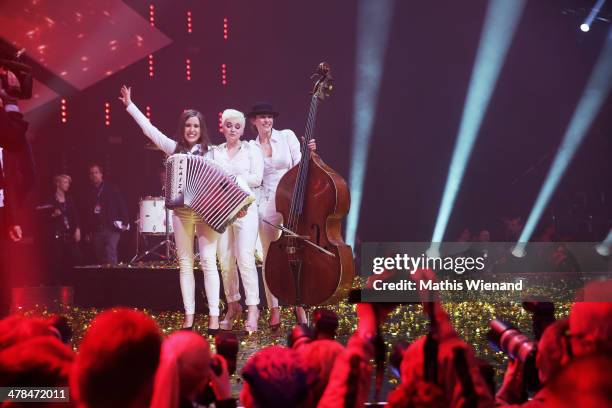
[[107, 113], [63, 111], [151, 69], [225, 28], [189, 25], [148, 112], [152, 15], [220, 124], [223, 74], [188, 69]]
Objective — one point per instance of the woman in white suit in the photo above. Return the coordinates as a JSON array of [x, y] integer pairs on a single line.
[[281, 151], [237, 243], [192, 138]]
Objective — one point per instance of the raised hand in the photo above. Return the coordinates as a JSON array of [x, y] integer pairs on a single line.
[[15, 233], [312, 144], [126, 95], [221, 383]]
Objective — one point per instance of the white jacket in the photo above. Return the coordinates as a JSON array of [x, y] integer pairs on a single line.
[[286, 153], [247, 164]]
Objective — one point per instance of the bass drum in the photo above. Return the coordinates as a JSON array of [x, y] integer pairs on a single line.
[[152, 216]]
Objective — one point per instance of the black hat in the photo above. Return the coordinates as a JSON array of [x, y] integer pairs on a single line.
[[262, 108]]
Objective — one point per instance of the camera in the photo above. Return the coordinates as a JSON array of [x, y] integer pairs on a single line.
[[226, 344], [24, 75], [511, 341]]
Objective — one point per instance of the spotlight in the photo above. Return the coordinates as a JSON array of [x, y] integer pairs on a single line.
[[372, 32], [591, 101], [152, 15], [500, 24], [434, 250], [586, 26], [151, 68], [63, 111], [107, 113], [519, 250], [603, 248]]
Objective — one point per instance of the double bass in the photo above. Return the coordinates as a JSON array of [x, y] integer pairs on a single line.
[[310, 264]]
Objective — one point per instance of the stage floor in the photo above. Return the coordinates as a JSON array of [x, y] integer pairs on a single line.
[[147, 285]]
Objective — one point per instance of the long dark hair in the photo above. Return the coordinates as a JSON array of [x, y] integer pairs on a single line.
[[204, 140]]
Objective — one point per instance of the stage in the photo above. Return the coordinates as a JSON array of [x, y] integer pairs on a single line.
[[152, 286]]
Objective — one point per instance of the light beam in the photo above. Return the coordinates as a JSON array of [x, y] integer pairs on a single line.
[[373, 26], [499, 27], [590, 103]]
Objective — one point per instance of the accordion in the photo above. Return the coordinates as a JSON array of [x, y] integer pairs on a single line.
[[203, 186]]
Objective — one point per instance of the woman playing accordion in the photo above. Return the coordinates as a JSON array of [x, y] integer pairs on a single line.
[[192, 138]]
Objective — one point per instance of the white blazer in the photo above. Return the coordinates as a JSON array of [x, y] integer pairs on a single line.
[[286, 153], [248, 163]]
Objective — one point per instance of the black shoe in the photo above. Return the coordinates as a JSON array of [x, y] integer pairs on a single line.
[[213, 332], [190, 328], [274, 327]]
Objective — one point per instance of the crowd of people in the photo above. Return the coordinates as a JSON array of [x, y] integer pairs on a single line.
[[124, 360]]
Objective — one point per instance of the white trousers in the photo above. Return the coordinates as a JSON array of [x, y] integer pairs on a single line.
[[186, 223], [237, 246], [267, 234]]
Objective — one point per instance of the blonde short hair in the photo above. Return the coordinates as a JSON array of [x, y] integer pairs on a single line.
[[62, 176], [233, 114]]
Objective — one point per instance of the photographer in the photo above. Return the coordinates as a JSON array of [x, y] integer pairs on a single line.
[[16, 172], [185, 369], [439, 369], [590, 319], [551, 357]]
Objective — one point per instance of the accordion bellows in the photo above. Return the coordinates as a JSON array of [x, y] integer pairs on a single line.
[[203, 186]]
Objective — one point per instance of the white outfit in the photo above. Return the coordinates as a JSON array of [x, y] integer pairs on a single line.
[[237, 243], [286, 153], [186, 223]]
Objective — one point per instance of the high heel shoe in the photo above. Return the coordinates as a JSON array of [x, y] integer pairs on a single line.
[[252, 317], [274, 326], [190, 327], [300, 315], [233, 313], [212, 331]]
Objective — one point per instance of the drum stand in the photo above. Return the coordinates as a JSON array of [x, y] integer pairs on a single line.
[[166, 242]]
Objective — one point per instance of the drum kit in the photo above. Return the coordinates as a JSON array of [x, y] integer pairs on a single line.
[[154, 220]]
